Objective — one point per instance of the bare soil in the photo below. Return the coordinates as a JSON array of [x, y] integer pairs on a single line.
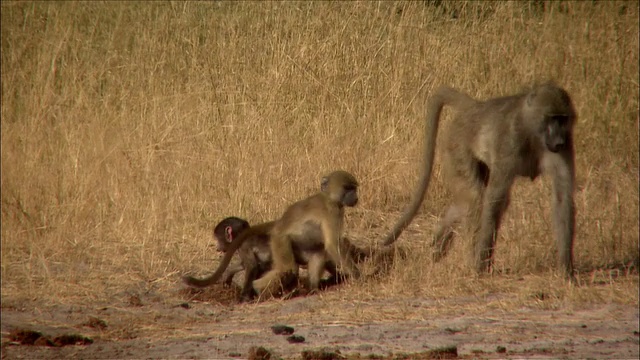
[[211, 324]]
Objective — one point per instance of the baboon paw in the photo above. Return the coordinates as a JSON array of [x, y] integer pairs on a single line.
[[291, 294], [245, 299], [313, 292]]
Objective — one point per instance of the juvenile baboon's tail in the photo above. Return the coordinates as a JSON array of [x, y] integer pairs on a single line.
[[443, 96]]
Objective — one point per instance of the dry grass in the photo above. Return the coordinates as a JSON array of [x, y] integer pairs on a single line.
[[129, 130]]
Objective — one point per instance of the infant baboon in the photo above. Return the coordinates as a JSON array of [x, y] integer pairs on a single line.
[[224, 233], [252, 244]]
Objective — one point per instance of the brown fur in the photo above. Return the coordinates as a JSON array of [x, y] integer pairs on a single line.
[[313, 223], [490, 144], [252, 245], [255, 256]]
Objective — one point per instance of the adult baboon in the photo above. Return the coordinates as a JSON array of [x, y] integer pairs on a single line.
[[489, 144], [314, 223]]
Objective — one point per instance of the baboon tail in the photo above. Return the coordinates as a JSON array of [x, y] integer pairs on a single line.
[[213, 278], [443, 96], [199, 283], [454, 98], [226, 259]]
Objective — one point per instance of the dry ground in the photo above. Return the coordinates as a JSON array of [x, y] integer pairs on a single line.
[[129, 129], [179, 324]]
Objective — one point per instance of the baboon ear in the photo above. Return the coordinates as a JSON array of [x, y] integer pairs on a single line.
[[324, 183], [229, 233]]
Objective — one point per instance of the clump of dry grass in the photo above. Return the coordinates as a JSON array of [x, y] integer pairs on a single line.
[[128, 130]]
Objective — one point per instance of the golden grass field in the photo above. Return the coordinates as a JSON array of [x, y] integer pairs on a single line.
[[130, 129]]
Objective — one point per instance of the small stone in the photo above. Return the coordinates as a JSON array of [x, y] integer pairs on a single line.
[[282, 329], [295, 339]]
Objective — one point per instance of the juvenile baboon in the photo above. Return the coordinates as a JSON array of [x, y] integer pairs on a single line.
[[314, 223], [255, 255], [489, 144]]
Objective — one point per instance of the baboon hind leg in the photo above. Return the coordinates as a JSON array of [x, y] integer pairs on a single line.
[[284, 272], [495, 201], [445, 229], [465, 179]]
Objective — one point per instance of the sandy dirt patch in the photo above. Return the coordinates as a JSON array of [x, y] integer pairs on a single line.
[[148, 326]]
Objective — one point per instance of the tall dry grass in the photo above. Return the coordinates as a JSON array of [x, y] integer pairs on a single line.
[[130, 129]]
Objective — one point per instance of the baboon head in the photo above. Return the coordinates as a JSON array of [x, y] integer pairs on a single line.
[[549, 109], [341, 187], [227, 230]]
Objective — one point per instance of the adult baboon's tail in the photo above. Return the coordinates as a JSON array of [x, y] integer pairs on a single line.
[[443, 96]]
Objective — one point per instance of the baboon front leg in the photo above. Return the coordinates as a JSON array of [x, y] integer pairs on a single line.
[[564, 225], [495, 200], [251, 273], [563, 212], [231, 271], [315, 268], [336, 253]]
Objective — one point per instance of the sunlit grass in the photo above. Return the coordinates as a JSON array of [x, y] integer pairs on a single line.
[[130, 129]]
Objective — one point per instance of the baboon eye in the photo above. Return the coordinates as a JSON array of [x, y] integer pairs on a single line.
[[557, 118]]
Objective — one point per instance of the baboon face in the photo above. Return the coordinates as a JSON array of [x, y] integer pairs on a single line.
[[349, 195], [227, 230], [341, 187], [557, 132]]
